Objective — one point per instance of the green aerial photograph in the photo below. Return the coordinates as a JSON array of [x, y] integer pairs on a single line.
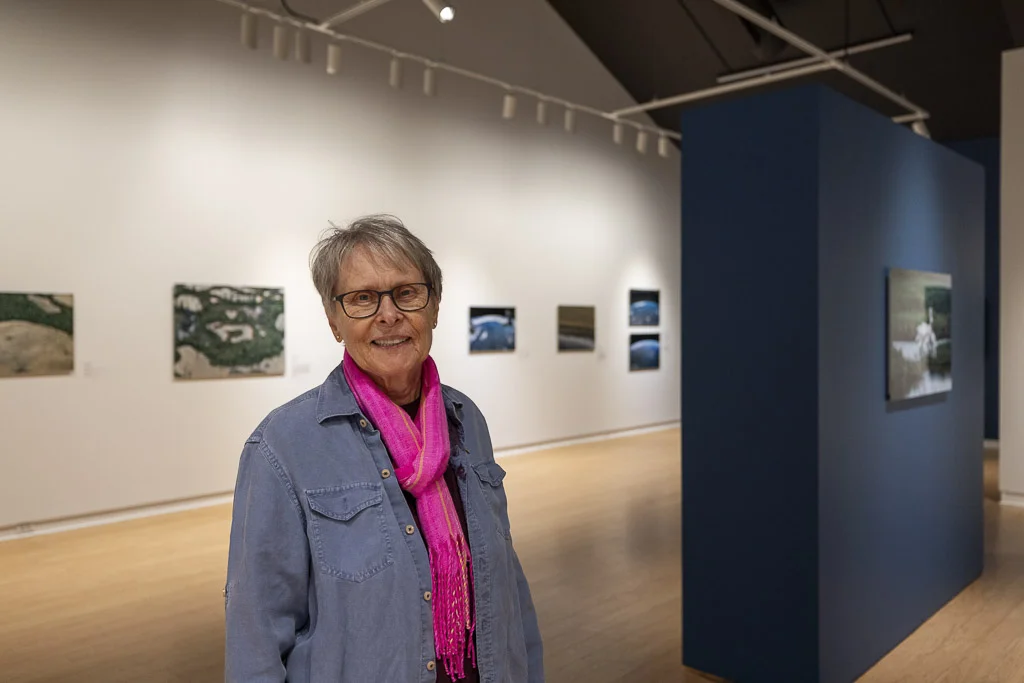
[[225, 331]]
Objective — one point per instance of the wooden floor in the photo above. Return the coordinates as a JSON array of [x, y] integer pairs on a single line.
[[141, 600], [979, 636]]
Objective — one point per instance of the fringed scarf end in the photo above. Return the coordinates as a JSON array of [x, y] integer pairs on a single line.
[[451, 576]]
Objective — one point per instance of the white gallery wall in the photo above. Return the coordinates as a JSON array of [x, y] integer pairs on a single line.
[[144, 147], [1011, 285]]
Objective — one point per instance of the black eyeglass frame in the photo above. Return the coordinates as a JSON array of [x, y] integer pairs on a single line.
[[380, 297]]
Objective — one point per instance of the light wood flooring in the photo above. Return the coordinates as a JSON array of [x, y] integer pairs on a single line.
[[597, 527]]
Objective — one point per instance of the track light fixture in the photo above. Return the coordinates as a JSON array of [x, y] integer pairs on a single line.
[[663, 146], [618, 133], [281, 42], [542, 113], [305, 27], [333, 58], [428, 81], [303, 53], [641, 142], [395, 76], [508, 106], [440, 9], [249, 30]]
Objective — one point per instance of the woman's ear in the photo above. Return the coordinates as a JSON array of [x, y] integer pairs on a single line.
[[334, 328]]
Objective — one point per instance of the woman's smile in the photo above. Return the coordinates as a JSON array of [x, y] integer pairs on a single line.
[[390, 342]]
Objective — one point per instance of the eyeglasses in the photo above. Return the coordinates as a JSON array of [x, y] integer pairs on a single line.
[[363, 303]]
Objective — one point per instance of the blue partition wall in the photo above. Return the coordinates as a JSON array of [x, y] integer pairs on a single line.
[[821, 524], [986, 151]]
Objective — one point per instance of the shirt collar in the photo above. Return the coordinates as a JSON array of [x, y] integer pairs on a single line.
[[336, 398]]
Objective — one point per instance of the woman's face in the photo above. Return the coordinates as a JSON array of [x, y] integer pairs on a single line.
[[391, 345]]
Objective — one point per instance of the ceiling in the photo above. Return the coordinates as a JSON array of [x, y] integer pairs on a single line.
[[951, 67]]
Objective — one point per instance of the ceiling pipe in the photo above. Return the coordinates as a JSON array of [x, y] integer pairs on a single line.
[[795, 63], [908, 118], [817, 67], [793, 39], [352, 12]]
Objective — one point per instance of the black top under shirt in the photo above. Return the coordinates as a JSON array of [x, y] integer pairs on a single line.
[[451, 479]]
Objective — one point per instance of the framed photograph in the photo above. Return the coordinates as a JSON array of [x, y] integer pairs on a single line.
[[576, 328], [37, 334], [492, 330], [644, 352], [920, 331], [225, 331], [644, 309]]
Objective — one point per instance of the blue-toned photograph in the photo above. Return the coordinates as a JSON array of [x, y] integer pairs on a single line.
[[644, 352], [644, 310], [492, 330]]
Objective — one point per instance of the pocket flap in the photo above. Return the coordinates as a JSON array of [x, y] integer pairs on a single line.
[[344, 502], [490, 472]]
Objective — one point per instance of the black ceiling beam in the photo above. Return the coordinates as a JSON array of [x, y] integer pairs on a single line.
[[885, 14], [704, 34]]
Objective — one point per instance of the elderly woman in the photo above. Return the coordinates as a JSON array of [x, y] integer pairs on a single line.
[[370, 539]]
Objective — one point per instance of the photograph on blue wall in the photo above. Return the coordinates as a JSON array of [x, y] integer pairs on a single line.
[[920, 334], [644, 309], [492, 330], [644, 352], [576, 328]]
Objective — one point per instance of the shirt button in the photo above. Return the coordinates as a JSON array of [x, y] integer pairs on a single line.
[[430, 666], [410, 530], [363, 423], [426, 596], [385, 473], [465, 449], [461, 472]]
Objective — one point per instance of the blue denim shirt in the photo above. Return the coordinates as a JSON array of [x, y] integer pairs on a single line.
[[327, 571]]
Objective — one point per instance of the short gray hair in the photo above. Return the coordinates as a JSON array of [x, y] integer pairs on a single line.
[[385, 237]]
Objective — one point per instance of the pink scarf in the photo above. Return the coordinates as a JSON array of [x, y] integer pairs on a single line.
[[420, 449]]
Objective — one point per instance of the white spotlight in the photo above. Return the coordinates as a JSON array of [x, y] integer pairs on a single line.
[[663, 146], [570, 120], [303, 53], [618, 133], [641, 142], [428, 82], [249, 29], [395, 77], [441, 9], [281, 42], [508, 106], [542, 112], [333, 58]]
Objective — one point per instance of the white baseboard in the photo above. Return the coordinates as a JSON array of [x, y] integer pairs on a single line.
[[606, 436], [991, 444], [52, 527], [1014, 500]]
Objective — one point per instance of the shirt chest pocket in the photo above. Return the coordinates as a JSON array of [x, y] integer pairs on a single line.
[[491, 476], [349, 530]]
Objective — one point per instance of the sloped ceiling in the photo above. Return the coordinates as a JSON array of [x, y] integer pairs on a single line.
[[951, 67]]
